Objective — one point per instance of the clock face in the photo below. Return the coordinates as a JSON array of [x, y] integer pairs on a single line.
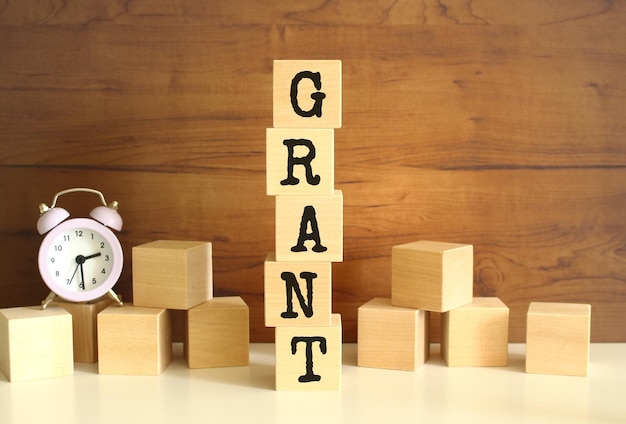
[[80, 259]]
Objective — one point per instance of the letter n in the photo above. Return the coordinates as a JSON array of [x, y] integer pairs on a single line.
[[292, 286]]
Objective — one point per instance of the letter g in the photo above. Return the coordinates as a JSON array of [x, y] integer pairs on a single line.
[[318, 96]]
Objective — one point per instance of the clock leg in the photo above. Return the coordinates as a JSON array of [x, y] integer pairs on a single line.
[[48, 299], [115, 297]]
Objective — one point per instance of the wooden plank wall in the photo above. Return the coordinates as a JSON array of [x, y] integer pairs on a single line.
[[500, 124]]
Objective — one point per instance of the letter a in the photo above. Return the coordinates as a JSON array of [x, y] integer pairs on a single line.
[[318, 96], [291, 285], [304, 161], [308, 217]]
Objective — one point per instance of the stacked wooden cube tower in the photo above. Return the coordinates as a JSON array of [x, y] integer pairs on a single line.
[[172, 275], [309, 224], [429, 277]]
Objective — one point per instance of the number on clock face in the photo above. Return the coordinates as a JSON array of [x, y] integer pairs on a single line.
[[80, 259]]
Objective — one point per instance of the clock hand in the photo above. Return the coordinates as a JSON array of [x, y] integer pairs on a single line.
[[82, 277], [80, 260], [72, 278]]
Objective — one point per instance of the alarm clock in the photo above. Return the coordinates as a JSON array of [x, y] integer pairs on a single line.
[[80, 259]]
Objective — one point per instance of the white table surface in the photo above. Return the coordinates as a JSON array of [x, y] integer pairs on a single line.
[[434, 393]]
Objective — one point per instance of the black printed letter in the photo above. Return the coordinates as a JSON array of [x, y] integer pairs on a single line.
[[318, 96], [304, 161], [309, 376], [308, 217], [291, 285]]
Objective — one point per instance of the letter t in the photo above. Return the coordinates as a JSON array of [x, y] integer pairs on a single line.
[[310, 375]]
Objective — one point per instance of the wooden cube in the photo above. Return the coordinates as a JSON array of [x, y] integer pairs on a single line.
[[434, 276], [35, 343], [172, 274], [307, 94], [557, 338], [218, 333], [476, 335], [300, 161], [297, 293], [309, 358], [134, 340], [309, 228], [392, 337], [85, 329]]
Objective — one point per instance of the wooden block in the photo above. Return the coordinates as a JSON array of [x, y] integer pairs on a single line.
[[307, 94], [392, 337], [85, 329], [35, 343], [309, 228], [218, 333], [557, 338], [300, 161], [476, 335], [434, 276], [134, 340], [297, 293], [172, 274], [309, 358]]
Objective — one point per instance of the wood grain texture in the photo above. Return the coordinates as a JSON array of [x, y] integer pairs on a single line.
[[287, 76], [431, 275], [134, 340], [479, 122], [313, 175], [218, 334], [557, 338], [172, 274], [392, 337], [84, 326], [35, 343], [309, 358], [309, 228], [307, 303], [476, 335]]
